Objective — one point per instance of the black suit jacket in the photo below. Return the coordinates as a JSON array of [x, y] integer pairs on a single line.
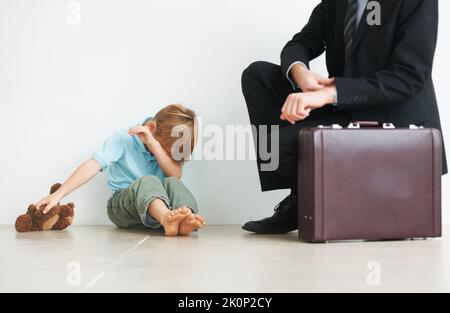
[[386, 74]]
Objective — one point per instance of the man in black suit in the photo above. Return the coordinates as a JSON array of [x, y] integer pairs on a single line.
[[380, 57]]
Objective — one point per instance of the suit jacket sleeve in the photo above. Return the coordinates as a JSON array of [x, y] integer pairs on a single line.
[[410, 65], [308, 44]]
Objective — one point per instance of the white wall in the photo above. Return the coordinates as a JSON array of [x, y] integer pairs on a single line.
[[64, 88]]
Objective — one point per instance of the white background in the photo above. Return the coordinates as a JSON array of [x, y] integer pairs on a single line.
[[64, 88]]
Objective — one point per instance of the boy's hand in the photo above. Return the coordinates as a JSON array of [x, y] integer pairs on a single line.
[[143, 133], [48, 202]]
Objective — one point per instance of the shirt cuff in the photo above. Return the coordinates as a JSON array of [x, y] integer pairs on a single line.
[[288, 74], [101, 161]]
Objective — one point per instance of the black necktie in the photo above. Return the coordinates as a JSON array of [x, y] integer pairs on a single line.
[[350, 23]]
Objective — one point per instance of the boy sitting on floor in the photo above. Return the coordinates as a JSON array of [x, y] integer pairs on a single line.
[[145, 166]]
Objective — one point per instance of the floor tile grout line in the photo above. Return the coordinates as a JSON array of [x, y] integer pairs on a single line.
[[102, 274]]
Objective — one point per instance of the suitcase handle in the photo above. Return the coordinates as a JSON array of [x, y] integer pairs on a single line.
[[366, 124]]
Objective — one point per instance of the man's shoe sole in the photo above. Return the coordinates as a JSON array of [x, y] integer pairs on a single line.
[[269, 232]]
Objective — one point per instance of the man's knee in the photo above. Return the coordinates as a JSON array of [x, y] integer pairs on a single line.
[[254, 72]]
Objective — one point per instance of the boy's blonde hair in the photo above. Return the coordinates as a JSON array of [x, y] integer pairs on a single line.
[[176, 124]]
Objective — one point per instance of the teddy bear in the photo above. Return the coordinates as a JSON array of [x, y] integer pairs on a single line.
[[58, 218]]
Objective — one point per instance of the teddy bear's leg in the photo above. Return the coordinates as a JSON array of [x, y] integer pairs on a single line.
[[24, 223], [63, 223], [48, 224], [49, 219], [65, 217]]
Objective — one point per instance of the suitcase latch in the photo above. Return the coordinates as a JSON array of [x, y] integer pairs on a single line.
[[354, 126], [415, 127], [358, 126], [334, 126]]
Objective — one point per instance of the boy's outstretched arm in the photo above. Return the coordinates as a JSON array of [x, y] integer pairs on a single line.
[[84, 173]]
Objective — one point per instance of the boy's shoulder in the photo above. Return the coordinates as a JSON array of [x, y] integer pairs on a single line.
[[123, 133], [121, 136]]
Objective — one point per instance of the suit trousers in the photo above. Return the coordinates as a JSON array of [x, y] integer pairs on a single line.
[[265, 88]]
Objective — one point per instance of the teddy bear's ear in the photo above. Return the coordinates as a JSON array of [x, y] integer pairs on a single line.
[[55, 187], [31, 209], [67, 210]]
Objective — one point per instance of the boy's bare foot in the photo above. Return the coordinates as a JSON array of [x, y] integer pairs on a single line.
[[190, 223], [171, 220]]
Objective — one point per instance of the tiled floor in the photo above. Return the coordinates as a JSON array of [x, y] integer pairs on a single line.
[[218, 259]]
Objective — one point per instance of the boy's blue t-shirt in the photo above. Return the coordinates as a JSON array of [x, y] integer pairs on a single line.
[[127, 160]]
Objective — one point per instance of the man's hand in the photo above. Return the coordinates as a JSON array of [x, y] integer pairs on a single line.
[[307, 80], [298, 106], [48, 202], [144, 134]]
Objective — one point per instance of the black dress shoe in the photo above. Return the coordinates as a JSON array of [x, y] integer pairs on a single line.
[[283, 221]]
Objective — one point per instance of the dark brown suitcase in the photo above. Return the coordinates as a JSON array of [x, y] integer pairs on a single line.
[[369, 182]]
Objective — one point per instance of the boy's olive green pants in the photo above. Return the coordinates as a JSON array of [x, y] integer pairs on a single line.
[[128, 207]]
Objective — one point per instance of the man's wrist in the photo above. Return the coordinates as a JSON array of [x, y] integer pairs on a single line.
[[298, 69], [290, 73], [296, 73], [330, 93]]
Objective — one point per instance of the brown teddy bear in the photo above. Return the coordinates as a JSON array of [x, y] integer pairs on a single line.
[[58, 218]]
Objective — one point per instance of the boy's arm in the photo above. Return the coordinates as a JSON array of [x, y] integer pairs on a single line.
[[169, 167], [84, 173]]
